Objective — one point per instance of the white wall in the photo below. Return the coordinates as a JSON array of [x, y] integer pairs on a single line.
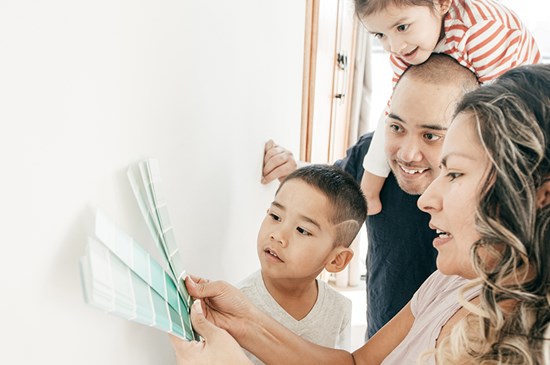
[[87, 88]]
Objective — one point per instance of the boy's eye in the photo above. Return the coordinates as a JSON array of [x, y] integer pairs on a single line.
[[402, 27], [275, 217], [378, 35], [432, 137], [303, 231]]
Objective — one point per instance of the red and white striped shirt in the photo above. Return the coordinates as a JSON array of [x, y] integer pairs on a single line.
[[483, 36]]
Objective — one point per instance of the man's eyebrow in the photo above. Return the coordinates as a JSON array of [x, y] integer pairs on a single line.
[[396, 117], [436, 127]]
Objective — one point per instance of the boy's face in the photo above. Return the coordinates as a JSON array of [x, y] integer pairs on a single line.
[[409, 32], [296, 238]]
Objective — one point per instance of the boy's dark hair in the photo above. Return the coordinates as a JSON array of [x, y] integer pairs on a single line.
[[349, 207]]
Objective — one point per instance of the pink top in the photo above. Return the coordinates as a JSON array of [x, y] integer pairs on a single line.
[[432, 306]]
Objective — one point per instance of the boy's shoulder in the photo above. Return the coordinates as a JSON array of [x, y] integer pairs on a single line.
[[250, 282], [331, 296]]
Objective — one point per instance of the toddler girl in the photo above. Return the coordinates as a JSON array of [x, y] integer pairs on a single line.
[[482, 35]]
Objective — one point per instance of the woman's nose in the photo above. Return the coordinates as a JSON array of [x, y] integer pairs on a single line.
[[430, 201]]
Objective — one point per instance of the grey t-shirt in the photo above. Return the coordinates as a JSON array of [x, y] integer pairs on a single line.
[[327, 324]]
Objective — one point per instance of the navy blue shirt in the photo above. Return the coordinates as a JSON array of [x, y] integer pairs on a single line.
[[400, 254]]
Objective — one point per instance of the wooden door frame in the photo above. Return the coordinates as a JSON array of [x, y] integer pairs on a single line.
[[309, 80]]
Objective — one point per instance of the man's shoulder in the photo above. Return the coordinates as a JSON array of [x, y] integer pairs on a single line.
[[363, 143], [353, 161]]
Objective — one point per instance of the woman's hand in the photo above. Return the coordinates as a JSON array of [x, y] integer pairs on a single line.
[[224, 305], [227, 307], [217, 346]]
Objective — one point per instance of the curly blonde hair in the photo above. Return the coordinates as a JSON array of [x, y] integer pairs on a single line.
[[511, 323]]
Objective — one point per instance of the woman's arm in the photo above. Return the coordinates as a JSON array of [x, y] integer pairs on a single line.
[[386, 339], [257, 332], [216, 347]]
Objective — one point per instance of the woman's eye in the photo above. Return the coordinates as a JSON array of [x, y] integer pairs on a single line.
[[453, 175], [402, 27], [275, 217], [432, 137], [303, 231]]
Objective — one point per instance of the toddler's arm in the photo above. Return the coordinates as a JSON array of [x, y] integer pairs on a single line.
[[376, 168]]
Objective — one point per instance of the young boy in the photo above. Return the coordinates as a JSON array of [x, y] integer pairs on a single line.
[[317, 212]]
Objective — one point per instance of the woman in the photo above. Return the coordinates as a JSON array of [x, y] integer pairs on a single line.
[[490, 206], [496, 151]]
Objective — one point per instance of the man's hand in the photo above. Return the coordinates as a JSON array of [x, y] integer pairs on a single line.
[[217, 346], [278, 162]]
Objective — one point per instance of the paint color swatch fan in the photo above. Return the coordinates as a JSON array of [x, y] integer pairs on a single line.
[[120, 277]]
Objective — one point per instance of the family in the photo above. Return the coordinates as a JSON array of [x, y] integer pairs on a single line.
[[459, 240]]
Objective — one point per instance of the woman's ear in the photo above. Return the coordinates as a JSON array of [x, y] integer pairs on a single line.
[[543, 193], [340, 258]]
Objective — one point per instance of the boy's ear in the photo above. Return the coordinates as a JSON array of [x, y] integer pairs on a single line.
[[543, 193], [340, 258], [442, 6]]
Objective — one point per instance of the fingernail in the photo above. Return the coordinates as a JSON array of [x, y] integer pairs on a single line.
[[197, 307]]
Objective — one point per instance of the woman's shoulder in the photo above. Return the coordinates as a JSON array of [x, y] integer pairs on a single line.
[[437, 280], [436, 287]]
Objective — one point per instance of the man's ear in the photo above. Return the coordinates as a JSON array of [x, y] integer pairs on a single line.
[[442, 6], [340, 258], [543, 193]]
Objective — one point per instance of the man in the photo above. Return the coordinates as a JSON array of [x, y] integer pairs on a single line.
[[400, 255]]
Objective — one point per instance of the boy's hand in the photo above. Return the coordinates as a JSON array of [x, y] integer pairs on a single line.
[[217, 346], [278, 162]]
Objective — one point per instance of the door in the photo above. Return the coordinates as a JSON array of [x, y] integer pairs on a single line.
[[329, 54]]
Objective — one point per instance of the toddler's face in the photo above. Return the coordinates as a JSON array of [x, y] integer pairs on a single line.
[[410, 32], [296, 237]]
